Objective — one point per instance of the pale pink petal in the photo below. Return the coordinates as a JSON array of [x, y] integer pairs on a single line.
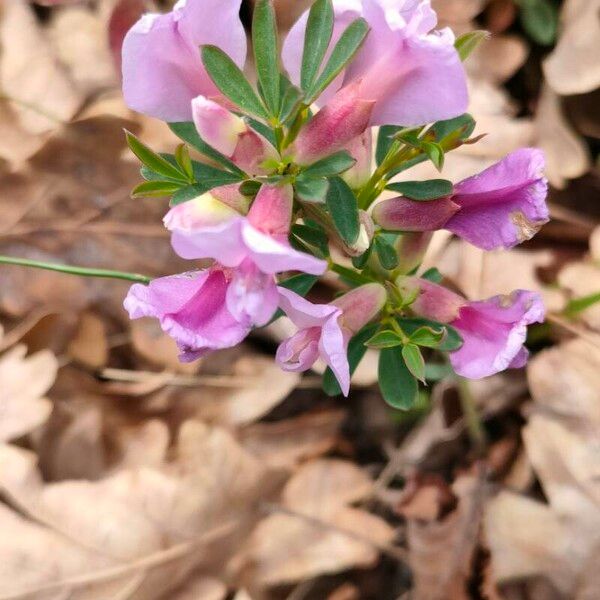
[[272, 256], [361, 305], [204, 211], [430, 300], [494, 332], [222, 242], [271, 211], [305, 314], [333, 347], [300, 351], [505, 204]]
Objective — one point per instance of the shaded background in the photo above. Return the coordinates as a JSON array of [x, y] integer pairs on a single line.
[[124, 474]]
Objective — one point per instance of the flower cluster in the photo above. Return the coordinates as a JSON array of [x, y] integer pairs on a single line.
[[286, 185]]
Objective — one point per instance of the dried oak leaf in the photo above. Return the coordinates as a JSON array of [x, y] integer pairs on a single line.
[[138, 533], [23, 382], [316, 531], [558, 540]]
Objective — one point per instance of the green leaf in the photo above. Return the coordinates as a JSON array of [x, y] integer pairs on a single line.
[[343, 52], [152, 160], [356, 352], [290, 99], [423, 190], [187, 193], [398, 386], [451, 342], [578, 305], [249, 187], [154, 189], [334, 164], [466, 43], [385, 139], [313, 236], [230, 80], [301, 284], [437, 372], [459, 127], [186, 131], [435, 153], [319, 28], [182, 156], [359, 262], [428, 336], [264, 42], [384, 339], [414, 361], [539, 19], [311, 190], [432, 274], [343, 209], [386, 253]]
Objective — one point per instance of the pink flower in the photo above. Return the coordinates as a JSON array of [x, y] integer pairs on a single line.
[[414, 74], [499, 208], [231, 136], [325, 329], [254, 247], [493, 330], [192, 308], [162, 68]]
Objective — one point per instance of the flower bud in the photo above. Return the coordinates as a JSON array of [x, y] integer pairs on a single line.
[[361, 149], [344, 118], [411, 248]]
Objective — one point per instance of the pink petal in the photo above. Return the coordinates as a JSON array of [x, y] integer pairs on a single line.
[[252, 295], [222, 242], [162, 69], [305, 314], [271, 211], [333, 348], [431, 300], [361, 305], [401, 214], [204, 211], [272, 256], [300, 351], [505, 204], [494, 332]]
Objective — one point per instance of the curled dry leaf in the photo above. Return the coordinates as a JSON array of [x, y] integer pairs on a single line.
[[23, 382], [558, 540], [567, 156], [443, 530], [316, 531], [44, 97], [139, 532], [573, 66]]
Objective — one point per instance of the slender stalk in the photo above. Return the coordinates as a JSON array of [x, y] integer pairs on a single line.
[[74, 270], [471, 414]]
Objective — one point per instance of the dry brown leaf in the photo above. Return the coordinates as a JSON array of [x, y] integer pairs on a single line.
[[567, 156], [284, 444], [317, 532], [498, 58], [30, 74], [23, 383], [441, 551], [139, 530], [556, 540], [89, 346], [572, 67]]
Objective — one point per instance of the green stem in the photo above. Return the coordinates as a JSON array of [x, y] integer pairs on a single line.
[[72, 270], [471, 415]]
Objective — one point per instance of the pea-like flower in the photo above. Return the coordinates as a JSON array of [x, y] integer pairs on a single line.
[[162, 69], [499, 208], [255, 246], [325, 329], [493, 330], [412, 73], [192, 308]]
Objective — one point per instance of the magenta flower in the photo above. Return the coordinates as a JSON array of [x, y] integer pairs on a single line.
[[162, 69], [414, 74], [326, 329], [499, 208], [493, 330], [254, 247], [192, 308]]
